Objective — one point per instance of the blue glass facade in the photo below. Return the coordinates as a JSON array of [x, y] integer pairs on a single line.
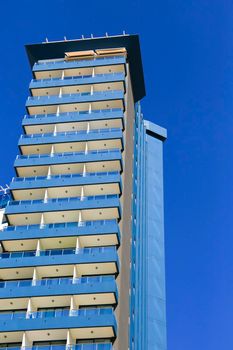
[[82, 259]]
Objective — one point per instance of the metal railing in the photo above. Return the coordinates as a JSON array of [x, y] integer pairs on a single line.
[[62, 199], [66, 133], [64, 154], [87, 93], [60, 225], [77, 77], [68, 63], [56, 313], [64, 114], [53, 252], [56, 281], [86, 346], [64, 176]]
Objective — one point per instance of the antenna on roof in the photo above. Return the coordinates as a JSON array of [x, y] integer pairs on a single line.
[[124, 33], [65, 38], [106, 34], [92, 36], [82, 36], [46, 40]]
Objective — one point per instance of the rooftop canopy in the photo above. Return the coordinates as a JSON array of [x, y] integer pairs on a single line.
[[57, 49]]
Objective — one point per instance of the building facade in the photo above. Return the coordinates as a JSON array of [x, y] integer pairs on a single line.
[[82, 229]]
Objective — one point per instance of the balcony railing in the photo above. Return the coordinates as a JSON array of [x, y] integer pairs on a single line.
[[60, 225], [109, 110], [56, 281], [53, 252], [66, 133], [86, 93], [86, 346], [66, 176], [64, 154], [56, 313], [78, 77], [62, 199], [46, 62]]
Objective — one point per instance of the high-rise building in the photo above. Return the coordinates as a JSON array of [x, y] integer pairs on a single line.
[[82, 236]]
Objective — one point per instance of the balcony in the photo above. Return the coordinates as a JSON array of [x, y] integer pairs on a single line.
[[96, 290], [90, 233], [87, 260], [76, 80], [63, 203], [83, 323], [76, 140], [86, 346], [35, 104], [70, 185], [52, 65], [69, 162], [74, 120]]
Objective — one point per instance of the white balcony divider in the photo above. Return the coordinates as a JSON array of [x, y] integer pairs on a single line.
[[35, 276], [38, 248], [78, 245], [58, 111]]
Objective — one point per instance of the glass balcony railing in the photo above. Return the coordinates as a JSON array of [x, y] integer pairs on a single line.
[[53, 252], [56, 313], [86, 93], [60, 225], [64, 176], [68, 63], [119, 74], [86, 346], [56, 281], [64, 154], [52, 115], [66, 133], [63, 199]]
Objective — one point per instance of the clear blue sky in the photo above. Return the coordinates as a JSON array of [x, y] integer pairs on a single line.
[[187, 49]]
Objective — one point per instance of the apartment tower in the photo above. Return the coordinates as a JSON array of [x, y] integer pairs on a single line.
[[82, 236]]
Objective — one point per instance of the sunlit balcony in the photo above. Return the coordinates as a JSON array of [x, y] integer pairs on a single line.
[[43, 69], [83, 323], [97, 233], [70, 185], [74, 121], [73, 102], [91, 291], [71, 140], [68, 162], [71, 84], [59, 262]]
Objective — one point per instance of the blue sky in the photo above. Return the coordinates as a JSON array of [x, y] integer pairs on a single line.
[[187, 49]]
